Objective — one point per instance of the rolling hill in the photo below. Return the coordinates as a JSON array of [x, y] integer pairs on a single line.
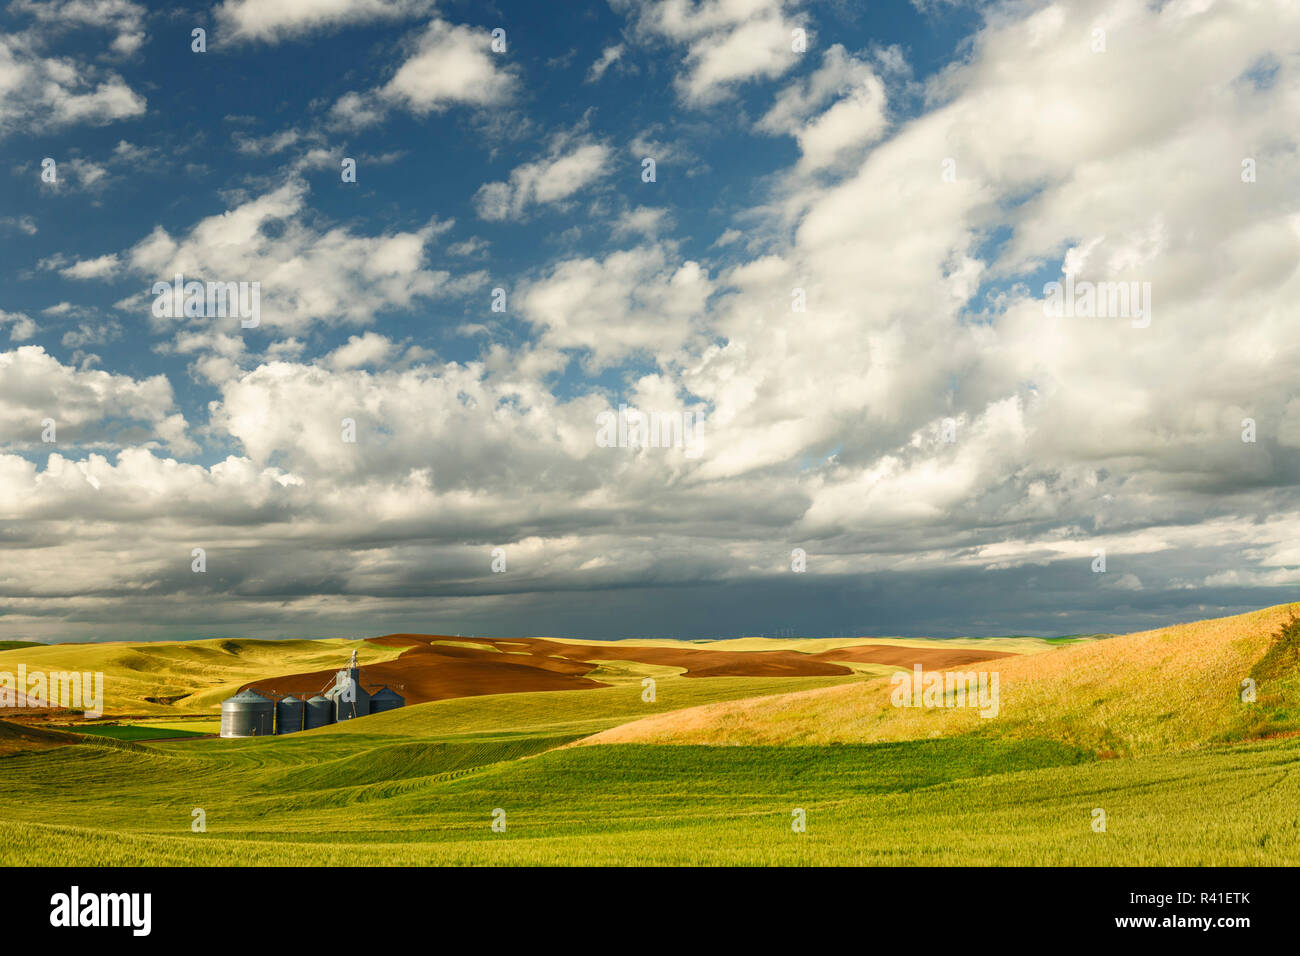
[[182, 677], [1149, 728], [1172, 688]]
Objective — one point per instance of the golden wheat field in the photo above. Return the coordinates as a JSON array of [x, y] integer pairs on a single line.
[[1152, 691]]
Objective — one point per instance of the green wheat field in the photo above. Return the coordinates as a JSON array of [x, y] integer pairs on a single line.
[[1151, 729]]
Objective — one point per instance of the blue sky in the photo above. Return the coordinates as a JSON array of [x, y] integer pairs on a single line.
[[915, 171], [195, 144]]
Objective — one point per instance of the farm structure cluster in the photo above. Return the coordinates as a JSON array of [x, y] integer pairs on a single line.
[[253, 713]]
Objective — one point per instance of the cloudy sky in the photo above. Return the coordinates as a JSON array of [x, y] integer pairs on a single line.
[[826, 231]]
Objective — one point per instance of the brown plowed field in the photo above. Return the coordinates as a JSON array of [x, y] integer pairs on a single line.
[[436, 671], [934, 659], [701, 662]]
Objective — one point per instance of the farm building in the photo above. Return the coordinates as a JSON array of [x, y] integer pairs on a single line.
[[247, 714], [253, 713]]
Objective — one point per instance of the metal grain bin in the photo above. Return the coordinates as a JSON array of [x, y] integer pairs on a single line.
[[386, 699], [345, 709], [319, 712], [247, 714], [288, 715]]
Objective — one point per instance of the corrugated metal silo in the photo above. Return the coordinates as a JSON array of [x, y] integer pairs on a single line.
[[288, 715], [386, 699], [350, 698], [319, 712], [247, 714]]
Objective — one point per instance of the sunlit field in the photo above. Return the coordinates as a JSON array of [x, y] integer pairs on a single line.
[[1132, 750]]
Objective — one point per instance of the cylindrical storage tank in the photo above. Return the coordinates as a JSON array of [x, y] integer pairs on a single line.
[[319, 712], [345, 709], [385, 699], [288, 715], [247, 714]]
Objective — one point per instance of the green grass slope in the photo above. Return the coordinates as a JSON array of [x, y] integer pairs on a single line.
[[571, 711], [369, 801]]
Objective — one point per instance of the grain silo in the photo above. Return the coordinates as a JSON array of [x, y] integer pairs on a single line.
[[319, 712], [252, 714], [386, 699], [350, 699], [288, 715], [247, 714]]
